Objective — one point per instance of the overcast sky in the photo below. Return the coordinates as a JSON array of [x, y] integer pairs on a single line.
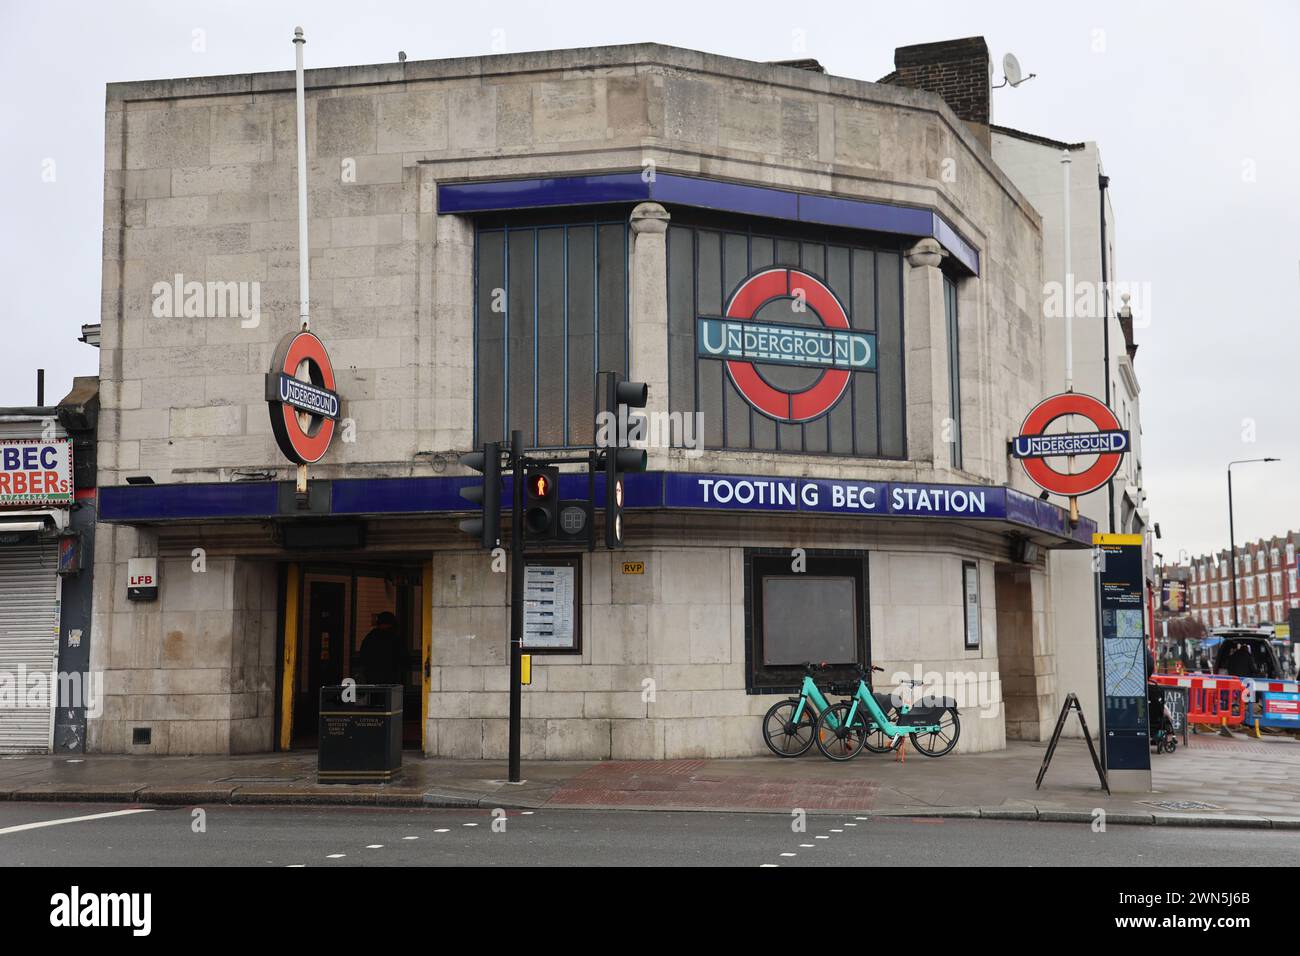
[[1194, 107]]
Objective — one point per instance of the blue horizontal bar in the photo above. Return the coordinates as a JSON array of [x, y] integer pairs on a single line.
[[503, 194], [655, 489], [703, 193]]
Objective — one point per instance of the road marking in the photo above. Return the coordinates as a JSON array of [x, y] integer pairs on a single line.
[[764, 865], [789, 854], [807, 846], [837, 831], [850, 824], [525, 813], [335, 856], [821, 838], [374, 846], [54, 823], [442, 830], [469, 824], [410, 838], [295, 866]]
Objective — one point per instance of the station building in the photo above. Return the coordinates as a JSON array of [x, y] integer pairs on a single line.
[[831, 288]]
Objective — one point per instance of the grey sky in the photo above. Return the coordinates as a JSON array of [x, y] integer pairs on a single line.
[[1193, 106]]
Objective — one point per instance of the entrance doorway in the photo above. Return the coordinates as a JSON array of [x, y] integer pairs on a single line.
[[341, 606]]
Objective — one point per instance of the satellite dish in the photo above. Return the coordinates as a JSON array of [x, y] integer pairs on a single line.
[[1011, 69], [1013, 76]]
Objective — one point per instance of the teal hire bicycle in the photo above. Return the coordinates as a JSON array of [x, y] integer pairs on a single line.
[[790, 725], [843, 729]]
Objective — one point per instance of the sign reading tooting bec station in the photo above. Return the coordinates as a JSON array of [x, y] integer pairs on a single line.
[[1034, 447], [831, 345], [301, 397]]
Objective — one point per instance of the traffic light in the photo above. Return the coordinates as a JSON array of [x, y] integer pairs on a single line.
[[619, 457], [541, 502], [487, 527]]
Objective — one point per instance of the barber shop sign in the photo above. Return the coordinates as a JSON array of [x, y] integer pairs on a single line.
[[747, 345]]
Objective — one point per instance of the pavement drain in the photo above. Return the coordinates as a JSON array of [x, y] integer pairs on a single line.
[[1180, 805]]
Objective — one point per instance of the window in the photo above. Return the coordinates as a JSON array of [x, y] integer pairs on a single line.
[[708, 263], [954, 369], [1290, 554], [819, 614], [551, 311]]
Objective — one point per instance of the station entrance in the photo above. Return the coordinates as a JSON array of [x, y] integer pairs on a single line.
[[332, 611]]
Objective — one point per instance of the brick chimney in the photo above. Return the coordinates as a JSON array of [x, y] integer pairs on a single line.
[[957, 70]]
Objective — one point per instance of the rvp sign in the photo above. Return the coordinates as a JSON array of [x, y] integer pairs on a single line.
[[36, 472]]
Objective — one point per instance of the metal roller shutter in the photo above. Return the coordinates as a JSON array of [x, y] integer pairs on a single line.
[[29, 643]]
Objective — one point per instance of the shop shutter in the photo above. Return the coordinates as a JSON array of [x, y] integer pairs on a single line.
[[29, 644]]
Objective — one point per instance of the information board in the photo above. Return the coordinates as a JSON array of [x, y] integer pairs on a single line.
[[550, 613], [1121, 592]]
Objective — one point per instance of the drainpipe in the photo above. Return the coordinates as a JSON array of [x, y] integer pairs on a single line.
[[1103, 182]]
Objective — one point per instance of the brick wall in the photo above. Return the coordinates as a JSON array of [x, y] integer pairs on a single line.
[[957, 70]]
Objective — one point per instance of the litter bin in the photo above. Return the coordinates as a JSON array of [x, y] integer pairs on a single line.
[[360, 739]]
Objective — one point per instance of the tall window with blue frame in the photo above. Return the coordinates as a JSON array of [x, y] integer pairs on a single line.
[[953, 431], [551, 311]]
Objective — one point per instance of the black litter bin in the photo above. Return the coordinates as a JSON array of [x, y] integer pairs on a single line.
[[360, 739]]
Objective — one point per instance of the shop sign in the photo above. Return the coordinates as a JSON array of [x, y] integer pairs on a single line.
[[36, 472], [300, 395], [830, 345], [1034, 447]]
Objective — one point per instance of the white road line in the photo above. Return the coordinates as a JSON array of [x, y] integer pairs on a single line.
[[374, 846], [442, 830], [789, 854], [55, 823], [821, 838], [411, 838], [469, 824], [335, 856], [295, 866], [764, 865], [807, 846]]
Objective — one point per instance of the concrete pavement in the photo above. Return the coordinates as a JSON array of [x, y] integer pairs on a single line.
[[1238, 782]]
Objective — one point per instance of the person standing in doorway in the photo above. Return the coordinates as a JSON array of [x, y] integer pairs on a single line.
[[383, 657]]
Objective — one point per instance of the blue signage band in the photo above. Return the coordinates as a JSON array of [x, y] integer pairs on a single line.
[[772, 343], [1070, 443]]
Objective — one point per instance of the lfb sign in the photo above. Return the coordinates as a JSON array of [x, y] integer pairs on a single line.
[[300, 394], [142, 579], [36, 472], [826, 345], [1106, 444]]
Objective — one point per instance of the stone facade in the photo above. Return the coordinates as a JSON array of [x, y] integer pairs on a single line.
[[200, 182]]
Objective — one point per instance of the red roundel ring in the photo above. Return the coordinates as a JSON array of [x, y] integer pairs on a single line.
[[1048, 411], [302, 445], [821, 396]]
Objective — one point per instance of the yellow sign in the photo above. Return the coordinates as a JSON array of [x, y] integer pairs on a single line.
[[634, 567], [1117, 539], [1282, 632], [526, 669]]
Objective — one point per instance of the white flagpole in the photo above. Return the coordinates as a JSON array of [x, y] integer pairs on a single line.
[[303, 259]]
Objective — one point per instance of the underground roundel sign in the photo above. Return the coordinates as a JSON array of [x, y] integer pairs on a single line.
[[796, 367], [300, 394], [1106, 445]]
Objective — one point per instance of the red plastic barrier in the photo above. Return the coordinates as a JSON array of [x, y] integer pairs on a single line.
[[1215, 700]]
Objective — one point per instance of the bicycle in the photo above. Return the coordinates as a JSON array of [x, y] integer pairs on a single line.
[[786, 721], [789, 725], [845, 728]]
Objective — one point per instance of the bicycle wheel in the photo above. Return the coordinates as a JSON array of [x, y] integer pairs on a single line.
[[835, 738], [783, 736], [879, 742], [936, 743]]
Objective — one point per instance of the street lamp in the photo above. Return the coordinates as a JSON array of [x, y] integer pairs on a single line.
[[1232, 540]]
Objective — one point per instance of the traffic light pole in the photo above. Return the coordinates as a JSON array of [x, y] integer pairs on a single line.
[[516, 600]]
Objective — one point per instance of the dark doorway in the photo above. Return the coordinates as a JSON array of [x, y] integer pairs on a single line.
[[341, 607]]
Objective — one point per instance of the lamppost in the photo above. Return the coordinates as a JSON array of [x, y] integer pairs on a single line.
[[1232, 539]]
